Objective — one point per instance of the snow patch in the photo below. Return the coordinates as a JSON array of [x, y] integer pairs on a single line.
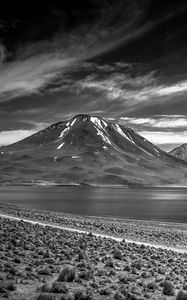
[[158, 153], [104, 137], [75, 157], [68, 126], [146, 151], [60, 146], [63, 132], [156, 150], [73, 122], [99, 122], [96, 152], [55, 158], [104, 147], [120, 131], [130, 138]]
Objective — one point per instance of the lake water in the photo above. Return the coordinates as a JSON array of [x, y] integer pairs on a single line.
[[166, 204]]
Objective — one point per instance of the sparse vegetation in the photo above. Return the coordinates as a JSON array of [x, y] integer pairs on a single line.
[[59, 287], [168, 288], [53, 264], [67, 274], [82, 295]]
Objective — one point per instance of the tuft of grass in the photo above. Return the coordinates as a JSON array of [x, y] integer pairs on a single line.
[[168, 288], [59, 287], [67, 274], [7, 285], [105, 291], [49, 296], [82, 295], [118, 296], [86, 275]]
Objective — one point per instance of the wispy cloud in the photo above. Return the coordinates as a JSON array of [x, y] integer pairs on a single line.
[[29, 76], [179, 87], [119, 85], [34, 66], [123, 87], [161, 138], [169, 131], [167, 122]]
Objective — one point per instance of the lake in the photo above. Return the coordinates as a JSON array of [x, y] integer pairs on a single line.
[[163, 204]]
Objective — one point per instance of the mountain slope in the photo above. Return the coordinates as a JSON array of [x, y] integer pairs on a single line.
[[89, 150], [180, 152]]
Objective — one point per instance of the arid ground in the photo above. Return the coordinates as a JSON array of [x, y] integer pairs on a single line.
[[45, 263]]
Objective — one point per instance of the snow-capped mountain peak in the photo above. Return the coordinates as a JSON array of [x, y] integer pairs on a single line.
[[89, 149]]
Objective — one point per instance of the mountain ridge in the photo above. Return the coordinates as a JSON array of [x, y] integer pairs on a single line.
[[180, 152]]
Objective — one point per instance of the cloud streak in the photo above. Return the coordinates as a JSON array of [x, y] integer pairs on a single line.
[[167, 131], [30, 76], [123, 87], [34, 66], [165, 122], [163, 138]]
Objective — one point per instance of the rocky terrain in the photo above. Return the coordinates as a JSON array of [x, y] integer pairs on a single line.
[[89, 150], [168, 234], [46, 263]]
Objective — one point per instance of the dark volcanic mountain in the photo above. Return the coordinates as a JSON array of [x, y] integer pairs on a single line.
[[89, 150], [180, 152]]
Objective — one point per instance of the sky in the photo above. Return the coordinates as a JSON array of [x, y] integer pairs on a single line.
[[124, 60]]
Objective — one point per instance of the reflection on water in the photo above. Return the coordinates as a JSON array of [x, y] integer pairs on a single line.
[[169, 204]]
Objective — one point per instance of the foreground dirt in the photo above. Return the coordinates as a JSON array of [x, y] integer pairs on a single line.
[[32, 257], [45, 263]]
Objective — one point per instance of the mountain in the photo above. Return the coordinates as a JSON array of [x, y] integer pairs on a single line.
[[89, 150], [180, 152]]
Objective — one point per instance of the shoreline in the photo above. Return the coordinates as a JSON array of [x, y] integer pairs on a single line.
[[119, 218], [87, 185], [104, 217]]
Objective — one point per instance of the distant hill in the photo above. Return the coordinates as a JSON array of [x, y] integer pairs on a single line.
[[89, 150], [180, 152]]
